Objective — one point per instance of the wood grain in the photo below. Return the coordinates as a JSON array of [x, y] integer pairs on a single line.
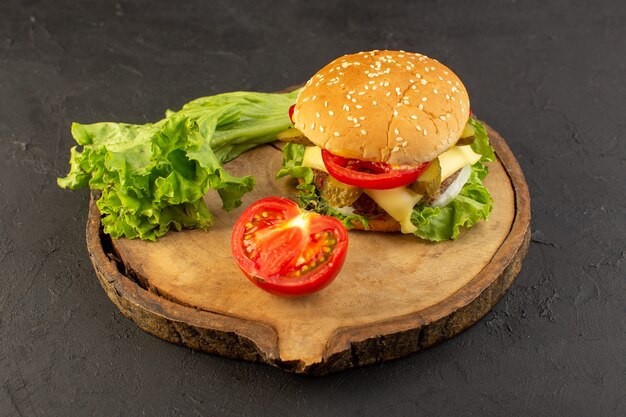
[[395, 295]]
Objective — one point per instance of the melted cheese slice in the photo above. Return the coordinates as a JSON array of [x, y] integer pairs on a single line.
[[399, 202], [313, 158], [456, 158]]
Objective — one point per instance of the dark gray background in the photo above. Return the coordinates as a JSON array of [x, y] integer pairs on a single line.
[[549, 76]]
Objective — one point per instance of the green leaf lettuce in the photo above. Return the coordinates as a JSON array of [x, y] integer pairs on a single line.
[[153, 177]]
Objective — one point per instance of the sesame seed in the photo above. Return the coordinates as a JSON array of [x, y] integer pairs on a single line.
[[404, 145], [348, 96], [322, 129], [399, 139], [331, 113], [418, 127], [357, 125], [363, 132], [442, 118], [395, 113], [337, 134], [424, 98], [362, 118], [423, 81], [317, 114], [361, 93], [421, 106], [414, 117], [396, 131], [435, 91], [388, 93], [358, 106], [374, 103], [425, 132], [312, 125], [325, 104], [395, 149]]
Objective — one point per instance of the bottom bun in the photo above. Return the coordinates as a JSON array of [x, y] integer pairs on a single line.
[[384, 223]]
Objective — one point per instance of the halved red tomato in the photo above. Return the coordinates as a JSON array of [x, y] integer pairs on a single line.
[[366, 174], [287, 251]]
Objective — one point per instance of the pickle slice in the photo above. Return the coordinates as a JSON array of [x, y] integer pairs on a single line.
[[468, 131], [339, 194], [465, 141], [429, 182], [293, 135]]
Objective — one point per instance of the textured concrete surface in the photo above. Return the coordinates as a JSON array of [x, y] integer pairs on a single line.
[[550, 76]]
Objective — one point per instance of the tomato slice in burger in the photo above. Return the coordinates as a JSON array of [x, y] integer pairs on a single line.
[[366, 174], [291, 110], [287, 251]]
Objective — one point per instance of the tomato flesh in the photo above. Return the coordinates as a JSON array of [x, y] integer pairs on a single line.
[[286, 251], [372, 175]]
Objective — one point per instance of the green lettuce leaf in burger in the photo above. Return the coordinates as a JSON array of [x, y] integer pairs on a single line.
[[385, 141]]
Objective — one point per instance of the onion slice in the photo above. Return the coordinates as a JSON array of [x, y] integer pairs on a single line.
[[453, 189]]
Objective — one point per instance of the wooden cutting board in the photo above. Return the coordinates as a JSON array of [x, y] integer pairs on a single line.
[[395, 295]]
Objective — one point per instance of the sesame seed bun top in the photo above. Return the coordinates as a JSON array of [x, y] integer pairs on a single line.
[[393, 106]]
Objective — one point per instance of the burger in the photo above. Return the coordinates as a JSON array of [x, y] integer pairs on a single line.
[[385, 141]]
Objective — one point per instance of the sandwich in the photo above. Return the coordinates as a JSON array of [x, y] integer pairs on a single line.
[[385, 141]]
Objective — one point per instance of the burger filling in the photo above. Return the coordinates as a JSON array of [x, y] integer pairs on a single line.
[[447, 195]]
